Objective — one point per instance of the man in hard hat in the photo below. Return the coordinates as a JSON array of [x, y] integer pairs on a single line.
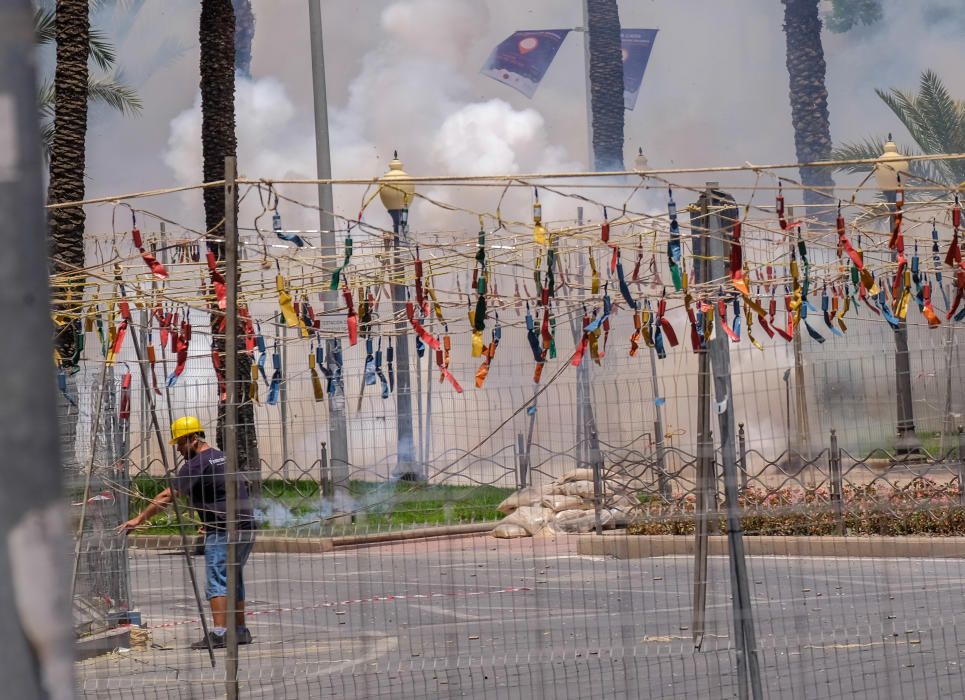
[[202, 480]]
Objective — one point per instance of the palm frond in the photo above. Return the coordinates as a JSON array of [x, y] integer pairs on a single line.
[[115, 94], [45, 99], [935, 121], [102, 51], [864, 150], [905, 107], [945, 118], [45, 26], [873, 148], [47, 138]]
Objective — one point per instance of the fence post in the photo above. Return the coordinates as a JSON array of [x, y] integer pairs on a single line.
[[327, 485], [837, 486], [961, 466], [596, 461], [742, 447], [522, 463]]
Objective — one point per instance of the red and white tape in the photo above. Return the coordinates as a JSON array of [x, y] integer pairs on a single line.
[[374, 599]]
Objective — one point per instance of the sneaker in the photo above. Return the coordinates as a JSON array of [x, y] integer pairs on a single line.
[[217, 642], [244, 636]]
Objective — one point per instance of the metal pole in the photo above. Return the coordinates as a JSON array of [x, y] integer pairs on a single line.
[[168, 474], [144, 320], [231, 422], [742, 446], [907, 442], [596, 463], [705, 456], [37, 641], [837, 485], [418, 404], [427, 450], [576, 323], [663, 483], [283, 395], [803, 427], [948, 420], [404, 466], [961, 466], [338, 433], [748, 671]]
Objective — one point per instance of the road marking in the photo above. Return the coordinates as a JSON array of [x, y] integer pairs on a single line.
[[443, 611]]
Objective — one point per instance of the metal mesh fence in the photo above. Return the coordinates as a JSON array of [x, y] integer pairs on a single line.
[[569, 537]]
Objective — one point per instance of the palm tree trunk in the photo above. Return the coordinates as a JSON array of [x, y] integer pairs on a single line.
[[806, 71], [606, 83], [217, 39], [67, 159], [65, 227]]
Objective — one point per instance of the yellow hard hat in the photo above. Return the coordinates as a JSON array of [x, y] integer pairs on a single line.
[[186, 425]]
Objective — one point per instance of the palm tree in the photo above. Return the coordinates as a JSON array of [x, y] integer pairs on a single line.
[[806, 70], [106, 89], [606, 83], [217, 38], [934, 120], [65, 227]]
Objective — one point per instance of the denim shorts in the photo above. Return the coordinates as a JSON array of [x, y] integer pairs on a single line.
[[216, 561]]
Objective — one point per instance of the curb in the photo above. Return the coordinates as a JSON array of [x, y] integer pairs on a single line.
[[269, 544], [623, 546], [103, 643]]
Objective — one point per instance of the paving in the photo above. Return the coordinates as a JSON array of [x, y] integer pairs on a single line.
[[474, 617]]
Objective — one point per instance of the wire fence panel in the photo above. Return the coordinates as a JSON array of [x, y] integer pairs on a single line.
[[595, 510]]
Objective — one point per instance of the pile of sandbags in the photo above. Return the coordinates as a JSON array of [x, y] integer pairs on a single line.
[[563, 506]]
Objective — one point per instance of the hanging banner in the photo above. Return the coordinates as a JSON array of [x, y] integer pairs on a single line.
[[636, 44], [522, 60]]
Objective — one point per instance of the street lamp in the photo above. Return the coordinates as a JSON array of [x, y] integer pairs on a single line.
[[890, 167], [640, 162], [396, 190]]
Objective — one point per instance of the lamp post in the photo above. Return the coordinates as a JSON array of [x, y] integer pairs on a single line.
[[891, 164], [396, 191], [640, 162]]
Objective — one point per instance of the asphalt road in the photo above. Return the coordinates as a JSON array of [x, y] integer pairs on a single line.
[[476, 617]]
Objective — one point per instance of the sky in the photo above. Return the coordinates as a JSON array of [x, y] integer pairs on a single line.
[[404, 74]]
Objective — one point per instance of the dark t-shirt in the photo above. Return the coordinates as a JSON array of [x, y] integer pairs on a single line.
[[202, 480]]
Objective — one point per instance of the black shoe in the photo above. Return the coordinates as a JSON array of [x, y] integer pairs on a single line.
[[244, 636], [217, 642]]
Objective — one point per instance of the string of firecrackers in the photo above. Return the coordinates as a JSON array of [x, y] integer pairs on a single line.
[[255, 290], [797, 303]]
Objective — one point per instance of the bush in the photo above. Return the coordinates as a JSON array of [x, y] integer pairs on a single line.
[[921, 507]]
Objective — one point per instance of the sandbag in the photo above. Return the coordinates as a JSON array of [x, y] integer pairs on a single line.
[[533, 518], [527, 496], [618, 518], [576, 475], [623, 502], [564, 515], [558, 503], [508, 531], [586, 523], [583, 489]]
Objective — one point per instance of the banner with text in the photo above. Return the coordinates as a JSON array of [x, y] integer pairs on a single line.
[[521, 60]]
